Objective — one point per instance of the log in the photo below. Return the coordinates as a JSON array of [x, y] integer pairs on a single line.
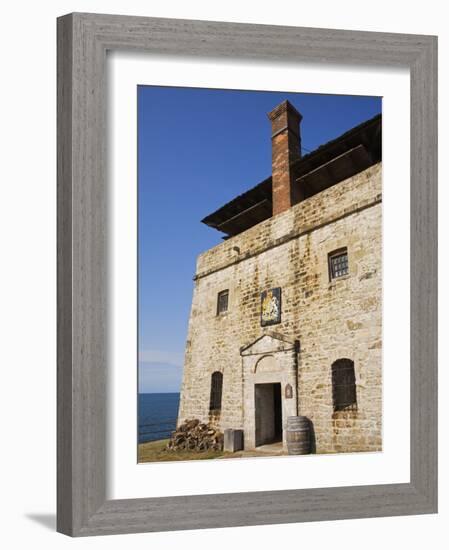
[[196, 436]]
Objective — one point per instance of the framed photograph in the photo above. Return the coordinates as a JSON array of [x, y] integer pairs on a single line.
[[247, 282]]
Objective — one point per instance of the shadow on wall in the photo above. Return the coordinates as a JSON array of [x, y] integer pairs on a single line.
[[312, 437]]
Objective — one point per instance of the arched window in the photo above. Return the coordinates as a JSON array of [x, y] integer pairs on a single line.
[[216, 389], [343, 385]]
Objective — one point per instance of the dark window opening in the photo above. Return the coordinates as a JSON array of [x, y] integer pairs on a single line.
[[216, 390], [343, 385], [338, 264], [222, 302]]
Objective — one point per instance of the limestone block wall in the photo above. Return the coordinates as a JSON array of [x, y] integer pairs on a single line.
[[342, 319], [332, 320]]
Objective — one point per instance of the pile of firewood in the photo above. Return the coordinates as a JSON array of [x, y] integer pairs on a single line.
[[193, 435]]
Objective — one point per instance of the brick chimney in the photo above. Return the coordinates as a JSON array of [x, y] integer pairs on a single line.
[[286, 149]]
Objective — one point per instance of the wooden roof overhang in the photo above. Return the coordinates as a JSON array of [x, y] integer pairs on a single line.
[[331, 163]]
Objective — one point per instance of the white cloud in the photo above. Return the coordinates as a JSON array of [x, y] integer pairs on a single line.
[[157, 377], [172, 358]]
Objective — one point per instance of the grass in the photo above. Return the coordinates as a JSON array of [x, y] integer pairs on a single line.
[[155, 451]]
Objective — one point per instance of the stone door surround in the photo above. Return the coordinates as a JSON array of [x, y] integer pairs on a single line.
[[269, 359]]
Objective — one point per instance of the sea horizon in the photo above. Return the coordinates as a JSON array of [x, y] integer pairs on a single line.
[[156, 392], [157, 415]]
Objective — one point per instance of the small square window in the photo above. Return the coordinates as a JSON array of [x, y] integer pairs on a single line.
[[338, 264], [222, 302]]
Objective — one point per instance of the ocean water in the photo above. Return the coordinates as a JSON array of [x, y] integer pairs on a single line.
[[157, 413]]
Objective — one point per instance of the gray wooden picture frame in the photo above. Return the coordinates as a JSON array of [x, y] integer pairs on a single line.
[[83, 40]]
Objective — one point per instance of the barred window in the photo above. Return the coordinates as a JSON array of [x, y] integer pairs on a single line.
[[222, 302], [338, 263], [216, 389], [343, 385]]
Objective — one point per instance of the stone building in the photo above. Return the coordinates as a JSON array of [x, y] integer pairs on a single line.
[[286, 315]]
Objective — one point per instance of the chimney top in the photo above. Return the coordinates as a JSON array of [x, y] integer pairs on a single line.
[[286, 150], [282, 108]]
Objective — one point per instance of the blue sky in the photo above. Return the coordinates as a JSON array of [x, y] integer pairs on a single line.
[[198, 149]]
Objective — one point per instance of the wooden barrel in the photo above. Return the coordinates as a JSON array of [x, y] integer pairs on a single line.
[[298, 435]]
